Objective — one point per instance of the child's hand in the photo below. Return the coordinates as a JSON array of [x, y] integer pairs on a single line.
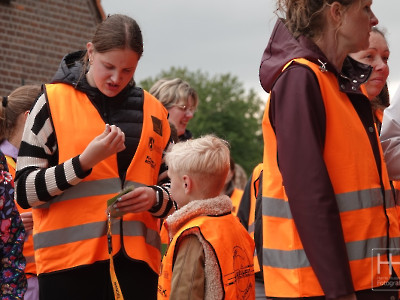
[[27, 220], [139, 200], [111, 141]]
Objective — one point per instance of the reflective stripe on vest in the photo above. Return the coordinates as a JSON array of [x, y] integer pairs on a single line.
[[70, 230], [234, 250], [357, 186], [28, 251]]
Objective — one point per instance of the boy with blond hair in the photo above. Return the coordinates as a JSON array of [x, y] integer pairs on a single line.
[[210, 255]]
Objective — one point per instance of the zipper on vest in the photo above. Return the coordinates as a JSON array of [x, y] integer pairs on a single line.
[[122, 176]]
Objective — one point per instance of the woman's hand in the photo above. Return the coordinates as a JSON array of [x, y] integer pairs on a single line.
[[27, 220], [111, 141], [139, 200]]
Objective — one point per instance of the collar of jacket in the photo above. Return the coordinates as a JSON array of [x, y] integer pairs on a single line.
[[284, 47], [352, 75], [70, 72], [208, 207]]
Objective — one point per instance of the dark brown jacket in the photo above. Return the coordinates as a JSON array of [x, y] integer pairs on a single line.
[[297, 115]]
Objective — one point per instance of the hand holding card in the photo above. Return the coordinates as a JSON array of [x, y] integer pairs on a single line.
[[110, 202]]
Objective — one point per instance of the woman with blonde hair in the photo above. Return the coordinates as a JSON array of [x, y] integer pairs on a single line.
[[329, 217], [377, 56], [181, 101]]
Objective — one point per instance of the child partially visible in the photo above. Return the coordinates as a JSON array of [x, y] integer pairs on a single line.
[[12, 235], [13, 113], [210, 255]]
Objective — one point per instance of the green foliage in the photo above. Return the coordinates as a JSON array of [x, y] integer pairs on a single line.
[[226, 110]]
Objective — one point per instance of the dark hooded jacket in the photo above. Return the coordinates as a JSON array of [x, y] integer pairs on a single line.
[[297, 115]]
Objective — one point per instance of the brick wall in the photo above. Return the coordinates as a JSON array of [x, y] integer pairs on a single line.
[[36, 34]]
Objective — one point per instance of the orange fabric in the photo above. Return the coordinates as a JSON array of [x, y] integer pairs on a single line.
[[28, 251], [253, 194], [164, 239], [76, 122], [236, 197], [349, 179], [253, 199], [234, 250], [379, 115]]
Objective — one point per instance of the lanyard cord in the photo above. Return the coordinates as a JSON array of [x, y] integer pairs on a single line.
[[114, 281]]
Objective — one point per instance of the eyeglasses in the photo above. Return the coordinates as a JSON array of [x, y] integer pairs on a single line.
[[186, 108]]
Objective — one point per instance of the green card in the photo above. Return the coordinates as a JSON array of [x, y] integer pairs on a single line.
[[111, 202]]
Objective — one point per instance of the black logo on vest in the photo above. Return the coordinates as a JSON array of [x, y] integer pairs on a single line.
[[152, 146], [151, 143], [243, 270], [157, 125], [162, 291], [150, 162]]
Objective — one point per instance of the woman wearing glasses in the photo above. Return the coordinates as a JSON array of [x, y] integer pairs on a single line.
[[181, 101]]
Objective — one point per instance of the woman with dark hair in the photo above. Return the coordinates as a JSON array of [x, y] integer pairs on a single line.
[[329, 218], [91, 134]]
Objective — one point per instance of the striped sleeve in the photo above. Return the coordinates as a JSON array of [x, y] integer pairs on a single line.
[[38, 176], [166, 205]]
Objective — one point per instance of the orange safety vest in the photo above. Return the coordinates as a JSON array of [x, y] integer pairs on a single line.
[[71, 230], [164, 239], [236, 197], [233, 248], [28, 252], [364, 209], [396, 191], [254, 190], [253, 197], [379, 115]]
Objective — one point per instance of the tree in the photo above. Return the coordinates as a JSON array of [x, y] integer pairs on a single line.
[[226, 110]]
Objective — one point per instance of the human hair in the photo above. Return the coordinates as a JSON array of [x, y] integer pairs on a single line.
[[172, 91], [206, 158], [240, 177], [306, 17], [380, 31], [174, 132], [116, 32], [382, 100], [18, 102]]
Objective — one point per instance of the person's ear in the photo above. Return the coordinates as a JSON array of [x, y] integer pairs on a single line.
[[187, 184], [26, 114], [90, 50], [336, 12]]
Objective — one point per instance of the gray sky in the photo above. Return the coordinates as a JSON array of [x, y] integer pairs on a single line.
[[223, 36]]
